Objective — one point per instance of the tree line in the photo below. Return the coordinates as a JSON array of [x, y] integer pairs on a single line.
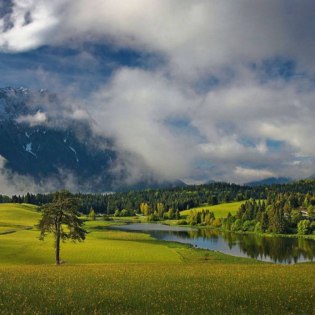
[[167, 203], [280, 213]]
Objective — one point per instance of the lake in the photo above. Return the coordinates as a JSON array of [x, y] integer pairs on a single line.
[[280, 250]]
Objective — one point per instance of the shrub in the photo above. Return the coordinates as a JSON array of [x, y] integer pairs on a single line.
[[304, 227], [237, 225], [124, 213], [248, 226], [117, 213], [258, 228], [216, 223]]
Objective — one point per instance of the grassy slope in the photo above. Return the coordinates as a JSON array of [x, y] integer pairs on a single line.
[[120, 272], [18, 214], [15, 217], [220, 211]]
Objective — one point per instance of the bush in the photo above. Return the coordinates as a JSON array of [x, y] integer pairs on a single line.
[[258, 228], [216, 223], [304, 227], [237, 225], [248, 226], [152, 217], [124, 213], [117, 213]]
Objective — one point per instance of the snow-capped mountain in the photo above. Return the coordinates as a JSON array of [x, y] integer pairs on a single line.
[[40, 150]]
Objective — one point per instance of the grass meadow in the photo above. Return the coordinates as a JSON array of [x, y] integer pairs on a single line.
[[220, 210], [116, 272]]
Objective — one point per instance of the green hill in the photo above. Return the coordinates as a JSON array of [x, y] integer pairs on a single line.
[[14, 217], [220, 211]]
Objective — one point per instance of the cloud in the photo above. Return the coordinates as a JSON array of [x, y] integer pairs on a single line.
[[32, 22], [12, 183], [196, 36], [248, 174], [233, 96], [33, 120], [160, 128], [279, 111], [244, 123], [133, 110]]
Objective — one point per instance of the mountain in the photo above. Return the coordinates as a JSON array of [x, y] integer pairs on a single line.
[[43, 147], [270, 181], [42, 151]]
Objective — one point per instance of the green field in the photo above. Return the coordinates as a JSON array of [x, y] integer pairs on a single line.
[[115, 272], [220, 210], [101, 246], [18, 215]]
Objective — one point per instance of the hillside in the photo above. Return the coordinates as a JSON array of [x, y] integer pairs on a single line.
[[16, 217], [220, 211]]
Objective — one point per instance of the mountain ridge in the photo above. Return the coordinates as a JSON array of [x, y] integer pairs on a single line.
[[270, 181]]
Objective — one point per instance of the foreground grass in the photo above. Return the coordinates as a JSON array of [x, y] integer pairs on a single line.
[[196, 288], [220, 210]]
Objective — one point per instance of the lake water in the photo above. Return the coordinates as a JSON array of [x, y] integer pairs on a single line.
[[281, 250]]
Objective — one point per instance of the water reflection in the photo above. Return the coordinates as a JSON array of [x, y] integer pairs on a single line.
[[282, 250]]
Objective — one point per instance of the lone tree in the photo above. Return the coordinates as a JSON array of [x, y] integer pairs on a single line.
[[60, 217]]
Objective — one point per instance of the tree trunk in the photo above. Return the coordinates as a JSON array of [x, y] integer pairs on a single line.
[[57, 246]]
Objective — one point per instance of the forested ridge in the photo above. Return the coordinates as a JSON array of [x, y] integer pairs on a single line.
[[176, 199]]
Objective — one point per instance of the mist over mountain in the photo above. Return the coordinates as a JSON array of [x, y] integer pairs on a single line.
[[56, 152]]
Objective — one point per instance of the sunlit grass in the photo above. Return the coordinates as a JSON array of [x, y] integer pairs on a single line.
[[220, 211], [157, 289], [134, 219], [100, 246], [18, 214]]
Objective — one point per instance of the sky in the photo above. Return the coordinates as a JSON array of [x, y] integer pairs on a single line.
[[195, 90]]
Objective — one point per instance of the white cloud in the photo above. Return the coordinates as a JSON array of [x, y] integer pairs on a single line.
[[200, 36], [233, 125], [249, 174], [24, 36], [33, 120], [12, 183], [197, 36], [133, 109]]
